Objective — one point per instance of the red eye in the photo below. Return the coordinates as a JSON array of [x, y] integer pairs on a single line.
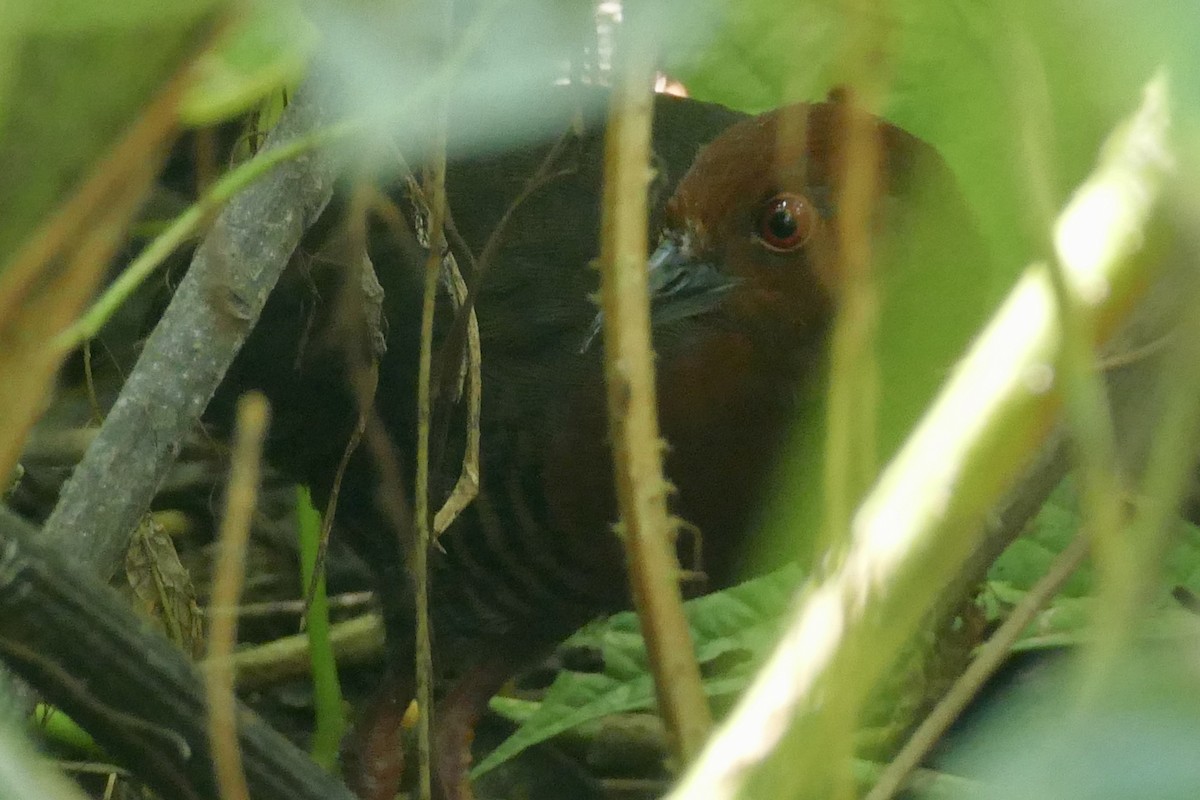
[[786, 221]]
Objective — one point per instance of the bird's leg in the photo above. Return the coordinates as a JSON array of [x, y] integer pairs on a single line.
[[459, 712], [373, 753]]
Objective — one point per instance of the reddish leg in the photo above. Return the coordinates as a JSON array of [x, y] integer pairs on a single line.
[[457, 714], [373, 754]]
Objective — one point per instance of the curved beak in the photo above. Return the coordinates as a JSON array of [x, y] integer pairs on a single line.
[[680, 285]]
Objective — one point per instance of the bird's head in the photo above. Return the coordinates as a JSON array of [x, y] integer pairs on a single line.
[[751, 230]]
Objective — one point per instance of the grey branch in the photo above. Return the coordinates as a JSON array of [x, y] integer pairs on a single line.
[[212, 312]]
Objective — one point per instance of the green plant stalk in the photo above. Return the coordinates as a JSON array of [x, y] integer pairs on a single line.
[[641, 489], [327, 692], [852, 409], [435, 192], [920, 523], [184, 226]]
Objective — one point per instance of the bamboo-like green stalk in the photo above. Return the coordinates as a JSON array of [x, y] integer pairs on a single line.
[[852, 409], [435, 193], [922, 520]]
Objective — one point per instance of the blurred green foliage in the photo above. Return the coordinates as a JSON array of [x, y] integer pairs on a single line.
[[1067, 620], [267, 48], [1139, 740], [73, 75]]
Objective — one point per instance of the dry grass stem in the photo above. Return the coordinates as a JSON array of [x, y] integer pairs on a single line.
[[240, 501]]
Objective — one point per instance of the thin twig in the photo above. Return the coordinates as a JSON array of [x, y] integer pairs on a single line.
[[435, 191], [633, 421], [543, 175], [295, 608], [93, 768], [353, 641], [466, 488], [365, 297], [240, 501], [330, 514], [989, 658], [463, 294]]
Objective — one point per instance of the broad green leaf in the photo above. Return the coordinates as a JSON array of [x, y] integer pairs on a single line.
[[742, 621]]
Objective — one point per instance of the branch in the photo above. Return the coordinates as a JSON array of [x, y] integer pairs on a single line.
[[241, 497], [88, 652], [212, 312]]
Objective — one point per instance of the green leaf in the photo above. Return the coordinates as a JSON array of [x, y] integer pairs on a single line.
[[742, 621], [1027, 559], [1065, 620]]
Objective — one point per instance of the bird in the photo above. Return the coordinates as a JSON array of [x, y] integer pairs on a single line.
[[744, 281]]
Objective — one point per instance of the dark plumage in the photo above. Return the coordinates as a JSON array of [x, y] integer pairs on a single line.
[[745, 280]]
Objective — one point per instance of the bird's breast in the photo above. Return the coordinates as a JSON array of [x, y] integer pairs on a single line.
[[725, 405]]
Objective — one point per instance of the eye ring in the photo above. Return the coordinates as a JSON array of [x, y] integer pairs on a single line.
[[786, 222]]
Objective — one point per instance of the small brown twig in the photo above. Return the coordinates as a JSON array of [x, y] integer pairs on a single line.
[[354, 641], [240, 501], [296, 608], [363, 301]]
